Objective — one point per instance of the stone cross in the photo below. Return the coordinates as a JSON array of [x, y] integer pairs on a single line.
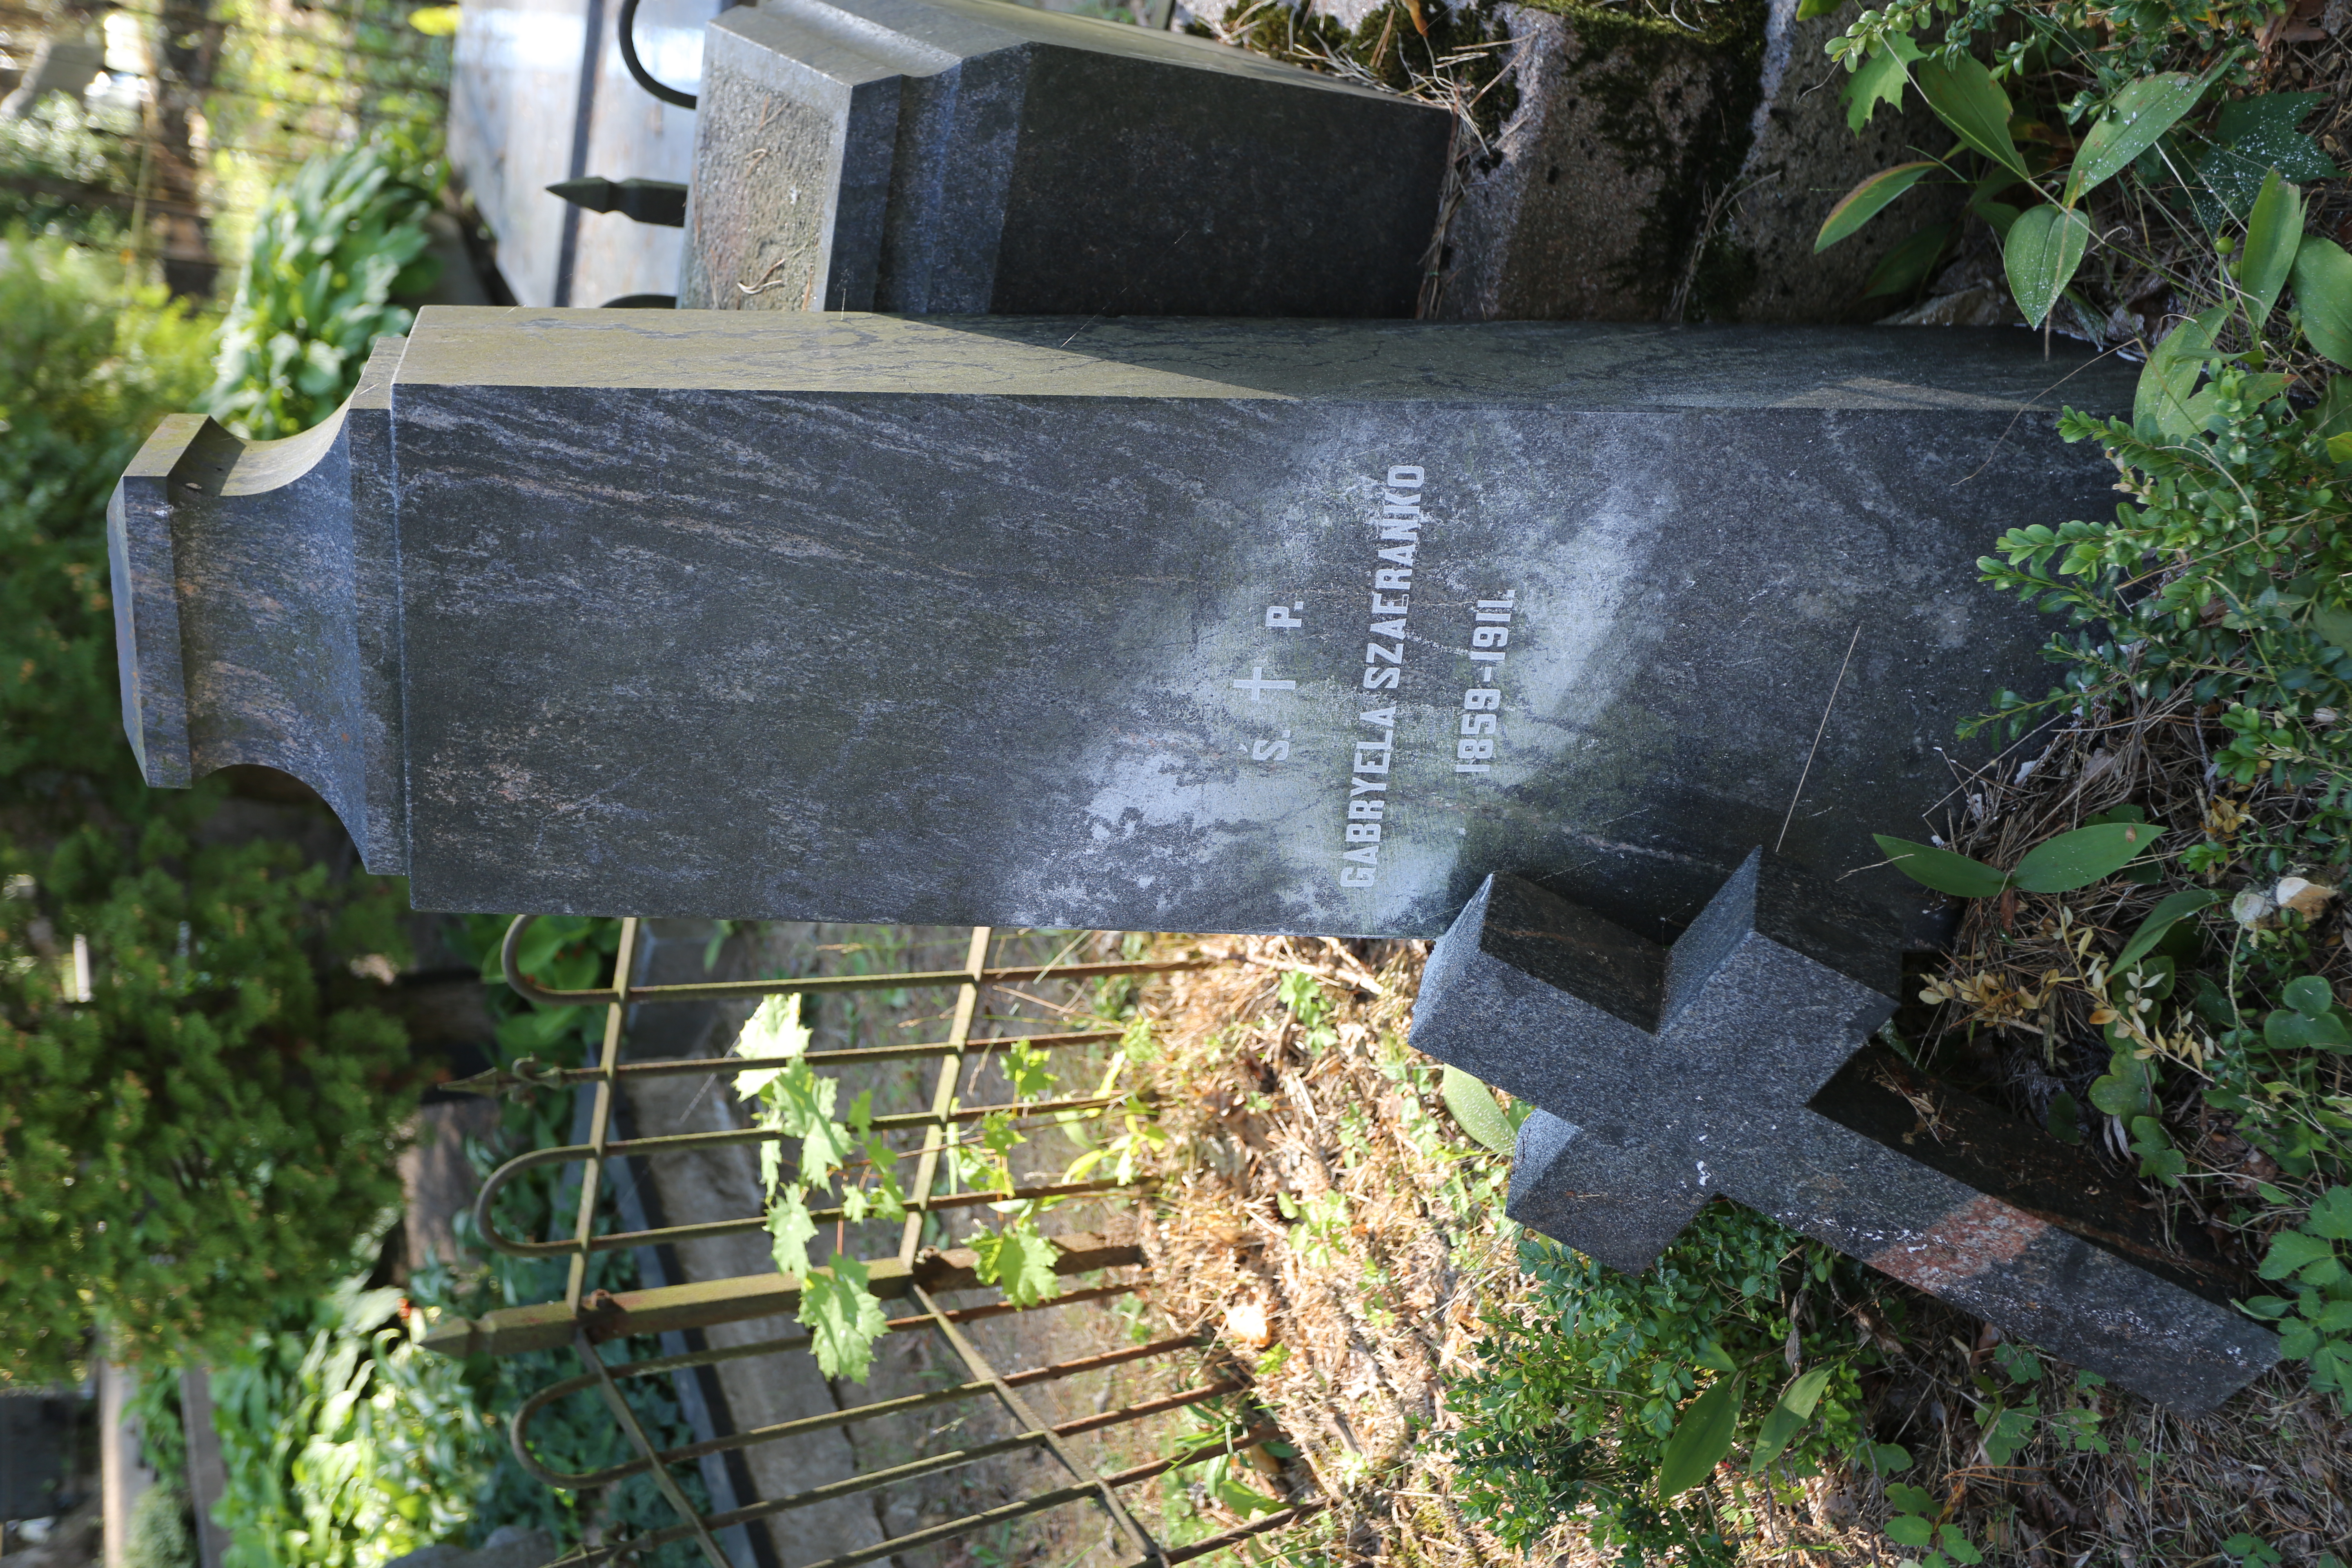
[[1141, 624], [921, 156], [1725, 1063]]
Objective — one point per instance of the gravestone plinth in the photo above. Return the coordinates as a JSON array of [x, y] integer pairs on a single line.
[[926, 156], [1727, 1064], [1173, 626]]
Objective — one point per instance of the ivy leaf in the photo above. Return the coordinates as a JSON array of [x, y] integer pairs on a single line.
[[2323, 287], [844, 1317], [2161, 919], [2250, 137], [1018, 1261], [1867, 200], [1879, 80], [2273, 234], [775, 1030], [2079, 858], [2040, 254], [1475, 1108], [791, 1230], [1940, 869], [2141, 112], [1966, 98], [1701, 1438]]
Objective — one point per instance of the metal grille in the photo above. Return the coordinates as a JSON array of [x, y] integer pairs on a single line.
[[914, 1274]]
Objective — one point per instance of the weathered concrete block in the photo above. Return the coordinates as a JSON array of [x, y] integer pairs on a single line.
[[1654, 173]]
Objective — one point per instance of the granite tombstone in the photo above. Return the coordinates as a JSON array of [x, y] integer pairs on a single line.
[[1227, 626], [927, 156], [1160, 625]]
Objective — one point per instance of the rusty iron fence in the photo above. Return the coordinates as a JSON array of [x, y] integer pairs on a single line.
[[914, 1273]]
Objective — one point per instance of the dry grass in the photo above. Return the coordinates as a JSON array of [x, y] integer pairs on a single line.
[[1355, 1316]]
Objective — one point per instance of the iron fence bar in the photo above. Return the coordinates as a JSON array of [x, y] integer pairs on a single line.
[[852, 1414], [529, 1074], [827, 985], [943, 1093], [518, 1424], [637, 1433], [601, 1120], [915, 1470], [621, 1240], [1079, 1471], [1239, 1534]]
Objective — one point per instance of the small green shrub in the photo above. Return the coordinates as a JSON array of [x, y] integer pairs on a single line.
[[1584, 1392], [331, 249]]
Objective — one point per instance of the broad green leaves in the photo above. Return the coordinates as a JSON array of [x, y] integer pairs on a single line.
[[2056, 864], [2273, 234], [842, 1314], [1788, 1417], [2161, 403], [1940, 869], [1966, 98], [2161, 919], [2040, 254], [2323, 287], [2079, 858], [1701, 1438], [2141, 112], [1867, 200], [1474, 1105]]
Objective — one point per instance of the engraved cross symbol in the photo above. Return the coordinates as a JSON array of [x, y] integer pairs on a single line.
[[1727, 1064], [1257, 685]]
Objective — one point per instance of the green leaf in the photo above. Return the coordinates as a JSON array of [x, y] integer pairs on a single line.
[[2309, 995], [2066, 1117], [2079, 858], [1889, 1458], [2161, 406], [1867, 200], [1879, 80], [2141, 112], [2292, 1252], [1018, 1261], [1708, 1353], [1788, 1417], [1701, 1438], [2273, 234], [1808, 9], [1940, 869], [1906, 266], [2329, 621], [2332, 414], [1475, 1108], [2250, 137], [838, 1309], [1961, 1550], [2323, 287], [791, 1230], [1911, 1498], [2332, 1215], [1909, 1530], [2009, 1434], [2285, 1030], [2161, 919], [2040, 254], [775, 1030], [1966, 98]]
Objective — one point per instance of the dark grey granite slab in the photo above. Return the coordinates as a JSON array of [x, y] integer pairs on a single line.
[[1667, 1074], [963, 155], [1147, 624]]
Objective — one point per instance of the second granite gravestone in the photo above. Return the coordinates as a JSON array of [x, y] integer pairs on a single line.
[[1160, 625], [927, 156]]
